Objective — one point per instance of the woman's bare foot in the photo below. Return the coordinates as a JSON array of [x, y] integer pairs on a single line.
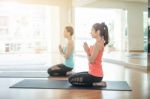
[[55, 68], [69, 73], [101, 84]]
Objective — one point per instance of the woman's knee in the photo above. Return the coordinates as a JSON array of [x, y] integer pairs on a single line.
[[49, 70]]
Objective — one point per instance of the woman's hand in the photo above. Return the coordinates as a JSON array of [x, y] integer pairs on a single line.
[[86, 48], [60, 49]]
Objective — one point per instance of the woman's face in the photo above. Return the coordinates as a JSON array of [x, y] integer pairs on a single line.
[[66, 33], [94, 33]]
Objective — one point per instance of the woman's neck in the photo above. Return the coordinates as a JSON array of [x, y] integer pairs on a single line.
[[69, 38], [98, 39]]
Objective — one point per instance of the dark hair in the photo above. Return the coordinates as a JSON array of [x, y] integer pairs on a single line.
[[103, 31], [70, 29]]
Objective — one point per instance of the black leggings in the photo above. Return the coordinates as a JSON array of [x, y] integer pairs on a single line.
[[83, 79], [59, 72]]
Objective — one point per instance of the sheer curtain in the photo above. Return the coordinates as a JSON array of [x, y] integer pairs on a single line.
[[28, 36]]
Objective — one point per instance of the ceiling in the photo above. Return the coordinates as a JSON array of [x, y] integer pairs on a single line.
[[145, 1], [82, 2]]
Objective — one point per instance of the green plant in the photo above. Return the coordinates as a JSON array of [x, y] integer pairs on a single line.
[[111, 44]]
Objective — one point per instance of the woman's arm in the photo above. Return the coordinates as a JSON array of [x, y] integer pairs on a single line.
[[69, 49], [86, 48], [97, 47], [60, 49]]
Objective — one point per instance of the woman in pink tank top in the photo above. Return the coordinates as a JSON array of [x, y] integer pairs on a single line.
[[94, 53]]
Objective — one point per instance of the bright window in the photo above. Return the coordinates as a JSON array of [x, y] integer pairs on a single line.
[[27, 28], [28, 34]]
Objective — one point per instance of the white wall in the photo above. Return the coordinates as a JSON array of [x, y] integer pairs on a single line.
[[135, 19], [135, 28]]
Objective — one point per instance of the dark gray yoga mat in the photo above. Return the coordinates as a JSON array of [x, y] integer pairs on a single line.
[[23, 74], [64, 84]]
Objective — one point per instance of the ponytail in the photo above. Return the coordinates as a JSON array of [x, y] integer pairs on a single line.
[[103, 31]]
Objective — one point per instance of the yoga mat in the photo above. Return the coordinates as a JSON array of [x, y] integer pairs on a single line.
[[64, 84], [22, 74]]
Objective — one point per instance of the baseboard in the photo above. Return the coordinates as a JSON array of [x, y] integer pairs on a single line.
[[148, 69]]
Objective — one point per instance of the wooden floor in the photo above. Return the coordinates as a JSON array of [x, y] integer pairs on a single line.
[[138, 80]]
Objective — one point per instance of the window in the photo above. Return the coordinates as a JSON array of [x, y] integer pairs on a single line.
[[145, 26], [26, 28], [28, 33]]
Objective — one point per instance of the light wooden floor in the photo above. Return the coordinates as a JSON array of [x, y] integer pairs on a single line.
[[139, 81]]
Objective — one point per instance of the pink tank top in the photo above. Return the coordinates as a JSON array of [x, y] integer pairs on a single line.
[[95, 68]]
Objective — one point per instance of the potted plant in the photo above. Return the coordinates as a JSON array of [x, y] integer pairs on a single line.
[[111, 46]]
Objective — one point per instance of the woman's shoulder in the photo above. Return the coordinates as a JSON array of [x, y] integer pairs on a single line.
[[71, 42], [99, 45]]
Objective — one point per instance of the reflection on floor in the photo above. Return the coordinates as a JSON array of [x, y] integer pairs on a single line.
[[137, 60]]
